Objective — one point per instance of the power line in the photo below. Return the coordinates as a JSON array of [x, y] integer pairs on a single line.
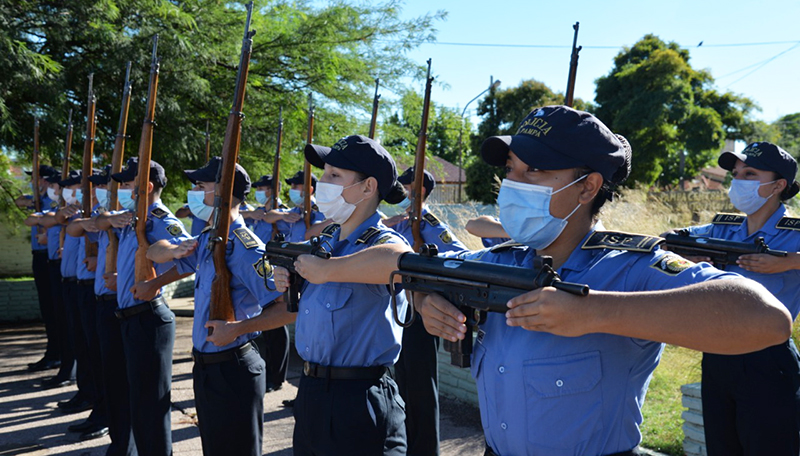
[[559, 46], [765, 62]]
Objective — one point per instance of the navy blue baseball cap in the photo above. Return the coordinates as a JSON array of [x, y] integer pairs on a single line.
[[99, 177], [299, 177], [766, 157], [264, 181], [74, 177], [560, 137], [208, 173], [44, 171], [364, 155], [131, 170], [407, 178], [55, 178]]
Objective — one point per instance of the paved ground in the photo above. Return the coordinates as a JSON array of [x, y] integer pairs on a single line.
[[31, 424]]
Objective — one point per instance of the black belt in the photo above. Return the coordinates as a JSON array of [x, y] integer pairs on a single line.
[[39, 252], [344, 373], [633, 452], [86, 282], [106, 297], [56, 261], [220, 357], [69, 279], [128, 312]]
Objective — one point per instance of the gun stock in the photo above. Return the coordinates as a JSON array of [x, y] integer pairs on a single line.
[[64, 171], [90, 248], [116, 166], [307, 166], [573, 67], [276, 171], [373, 123], [284, 254], [419, 165], [221, 302]]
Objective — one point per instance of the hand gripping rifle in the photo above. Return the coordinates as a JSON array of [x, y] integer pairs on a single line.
[[722, 252], [419, 166], [90, 248], [307, 166], [474, 287], [144, 268], [573, 68], [276, 171], [221, 302], [373, 123], [64, 173], [116, 167], [284, 254]]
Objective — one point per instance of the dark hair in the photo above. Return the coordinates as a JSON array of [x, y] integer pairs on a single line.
[[395, 195], [609, 188]]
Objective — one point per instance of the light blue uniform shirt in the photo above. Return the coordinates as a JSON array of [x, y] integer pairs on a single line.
[[99, 283], [47, 204], [83, 271], [248, 291], [296, 232], [433, 231], [785, 285], [546, 395], [53, 237], [69, 255], [351, 324], [161, 225]]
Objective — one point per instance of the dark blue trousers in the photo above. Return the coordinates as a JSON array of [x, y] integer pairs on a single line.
[[274, 348], [417, 375], [62, 326], [73, 301], [41, 278], [88, 314], [229, 397], [751, 402], [148, 339]]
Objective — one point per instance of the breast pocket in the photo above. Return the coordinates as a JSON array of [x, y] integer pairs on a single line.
[[334, 309], [564, 402]]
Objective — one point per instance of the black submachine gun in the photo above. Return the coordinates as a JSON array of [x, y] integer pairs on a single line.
[[722, 252]]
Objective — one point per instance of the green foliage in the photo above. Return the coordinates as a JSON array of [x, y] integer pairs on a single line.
[[789, 131], [663, 106]]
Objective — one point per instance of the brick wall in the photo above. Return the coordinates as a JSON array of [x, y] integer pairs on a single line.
[[18, 301], [16, 252]]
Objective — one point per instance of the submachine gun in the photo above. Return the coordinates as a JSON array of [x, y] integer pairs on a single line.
[[474, 287], [722, 252], [284, 254]]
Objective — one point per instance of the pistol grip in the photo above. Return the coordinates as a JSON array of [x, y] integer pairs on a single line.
[[292, 295]]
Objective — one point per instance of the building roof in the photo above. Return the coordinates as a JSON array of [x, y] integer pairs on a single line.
[[443, 171]]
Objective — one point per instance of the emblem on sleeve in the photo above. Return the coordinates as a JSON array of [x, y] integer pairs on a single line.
[[247, 238], [446, 237], [383, 239], [174, 229], [263, 268], [159, 213], [53, 204], [671, 264]]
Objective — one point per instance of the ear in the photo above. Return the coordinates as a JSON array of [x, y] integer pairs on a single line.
[[591, 186], [780, 185], [370, 187], [149, 188]]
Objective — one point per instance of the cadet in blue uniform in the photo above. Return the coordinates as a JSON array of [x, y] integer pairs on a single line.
[[751, 402], [296, 231], [560, 374], [198, 224], [147, 323], [345, 333], [417, 370], [229, 381]]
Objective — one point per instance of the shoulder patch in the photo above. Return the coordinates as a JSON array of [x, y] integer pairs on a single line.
[[370, 233], [431, 219], [621, 241], [383, 239], [159, 213], [263, 268], [207, 228], [53, 204], [446, 237], [174, 229], [330, 229], [788, 223], [671, 264], [314, 207], [283, 206], [728, 219], [247, 238], [508, 245]]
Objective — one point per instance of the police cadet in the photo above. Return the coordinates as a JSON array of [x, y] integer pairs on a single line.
[[229, 381], [198, 224], [296, 231], [751, 402], [560, 374], [416, 370], [345, 333], [50, 360], [147, 323]]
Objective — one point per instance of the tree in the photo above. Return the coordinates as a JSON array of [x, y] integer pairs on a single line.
[[789, 128], [664, 107]]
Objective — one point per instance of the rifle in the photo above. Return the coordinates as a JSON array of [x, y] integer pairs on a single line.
[[221, 302], [208, 141], [284, 254], [144, 268], [116, 167], [64, 172], [307, 166], [375, 102], [573, 67], [90, 248], [37, 192], [276, 171], [419, 165], [722, 252], [472, 286]]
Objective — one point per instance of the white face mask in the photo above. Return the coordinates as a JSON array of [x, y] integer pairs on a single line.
[[70, 195], [332, 204], [744, 195], [52, 194]]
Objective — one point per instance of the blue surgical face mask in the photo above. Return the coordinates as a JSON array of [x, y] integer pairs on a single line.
[[198, 206], [102, 196], [744, 195], [125, 197], [405, 203], [261, 197], [525, 213], [296, 197], [79, 196]]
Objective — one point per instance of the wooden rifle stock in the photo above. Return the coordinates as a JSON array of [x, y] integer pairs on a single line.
[[307, 166], [373, 123], [143, 267], [64, 172], [221, 305], [90, 248], [276, 171], [573, 68], [419, 165], [208, 141], [116, 167]]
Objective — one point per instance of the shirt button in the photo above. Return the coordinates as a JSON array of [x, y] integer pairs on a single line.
[[328, 305], [503, 426], [559, 383], [306, 349], [306, 311], [502, 369]]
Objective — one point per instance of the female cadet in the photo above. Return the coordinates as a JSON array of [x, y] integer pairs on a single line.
[[345, 333], [751, 402], [560, 374]]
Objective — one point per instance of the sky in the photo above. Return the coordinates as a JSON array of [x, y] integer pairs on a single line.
[[537, 38]]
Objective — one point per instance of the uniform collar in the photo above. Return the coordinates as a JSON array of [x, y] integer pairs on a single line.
[[372, 220], [769, 227], [155, 205], [580, 259]]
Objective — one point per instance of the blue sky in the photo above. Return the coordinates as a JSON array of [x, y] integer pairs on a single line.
[[605, 27]]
